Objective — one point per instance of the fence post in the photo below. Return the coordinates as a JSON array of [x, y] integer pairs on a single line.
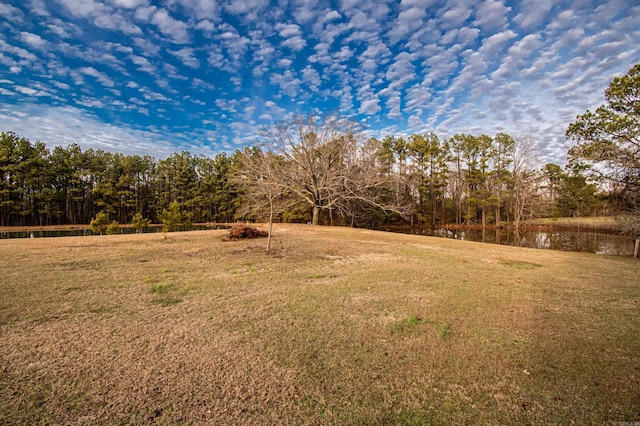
[[637, 248]]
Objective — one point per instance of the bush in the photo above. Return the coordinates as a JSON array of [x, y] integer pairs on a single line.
[[113, 228], [139, 223], [100, 223]]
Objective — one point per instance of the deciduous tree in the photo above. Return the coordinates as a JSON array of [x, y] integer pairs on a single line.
[[322, 159]]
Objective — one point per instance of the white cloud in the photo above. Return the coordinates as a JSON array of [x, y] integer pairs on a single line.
[[33, 40], [145, 13], [90, 102], [248, 10], [491, 15], [10, 13], [408, 20], [455, 17], [235, 44], [526, 46], [419, 3], [58, 30], [170, 27], [84, 8], [369, 106], [295, 43], [292, 35], [288, 83], [284, 63], [274, 110], [17, 51], [62, 126], [312, 77], [304, 10], [202, 8], [467, 35], [143, 64], [38, 7], [149, 49], [401, 71], [332, 15], [25, 90], [61, 85], [131, 4], [151, 95], [331, 32], [201, 84], [496, 43], [187, 56], [206, 25], [115, 21], [100, 76], [533, 13]]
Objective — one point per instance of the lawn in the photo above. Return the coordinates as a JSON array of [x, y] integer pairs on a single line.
[[334, 326]]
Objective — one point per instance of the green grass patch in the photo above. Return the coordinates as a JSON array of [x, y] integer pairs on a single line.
[[405, 325], [318, 276], [167, 293], [444, 330], [167, 300], [520, 264], [161, 288]]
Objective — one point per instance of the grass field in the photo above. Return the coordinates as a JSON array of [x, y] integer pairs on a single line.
[[335, 326]]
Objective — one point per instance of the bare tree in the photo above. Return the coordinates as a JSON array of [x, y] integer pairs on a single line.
[[258, 177], [523, 175], [325, 165]]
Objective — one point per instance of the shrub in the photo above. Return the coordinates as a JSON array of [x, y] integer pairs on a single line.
[[139, 223], [100, 223], [113, 228]]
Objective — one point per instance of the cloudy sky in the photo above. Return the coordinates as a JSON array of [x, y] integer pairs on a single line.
[[161, 76]]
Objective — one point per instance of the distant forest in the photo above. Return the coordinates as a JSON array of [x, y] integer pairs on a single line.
[[466, 179]]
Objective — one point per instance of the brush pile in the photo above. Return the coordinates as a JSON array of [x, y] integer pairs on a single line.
[[244, 231]]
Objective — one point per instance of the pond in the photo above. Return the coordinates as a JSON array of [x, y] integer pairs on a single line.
[[86, 231], [566, 240]]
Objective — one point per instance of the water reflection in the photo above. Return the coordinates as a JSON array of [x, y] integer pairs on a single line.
[[81, 232], [566, 240]]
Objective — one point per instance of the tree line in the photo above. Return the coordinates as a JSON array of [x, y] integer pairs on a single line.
[[420, 179], [324, 169], [67, 185]]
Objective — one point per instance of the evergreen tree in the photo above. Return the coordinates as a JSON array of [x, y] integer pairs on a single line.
[[139, 223], [100, 223], [175, 219]]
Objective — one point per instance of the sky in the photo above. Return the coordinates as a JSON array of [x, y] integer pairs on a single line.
[[162, 76]]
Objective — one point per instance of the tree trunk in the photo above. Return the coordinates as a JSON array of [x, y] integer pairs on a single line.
[[270, 225], [316, 213]]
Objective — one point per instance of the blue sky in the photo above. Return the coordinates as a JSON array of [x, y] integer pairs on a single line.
[[157, 77]]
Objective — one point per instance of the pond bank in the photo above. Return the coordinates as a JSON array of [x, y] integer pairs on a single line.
[[546, 237]]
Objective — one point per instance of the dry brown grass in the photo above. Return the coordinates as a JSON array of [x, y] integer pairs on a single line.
[[335, 326], [601, 223]]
